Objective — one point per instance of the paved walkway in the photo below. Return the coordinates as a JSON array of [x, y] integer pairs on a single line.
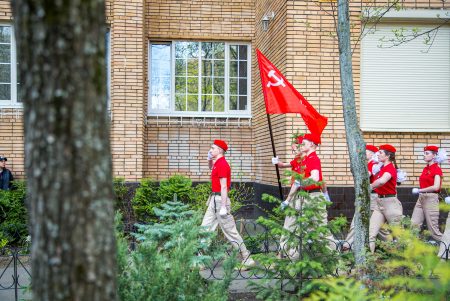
[[7, 281]]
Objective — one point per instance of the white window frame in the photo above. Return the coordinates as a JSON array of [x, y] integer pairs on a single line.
[[13, 102], [404, 17], [227, 113]]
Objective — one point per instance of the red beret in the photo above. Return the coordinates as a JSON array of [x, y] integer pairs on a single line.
[[388, 147], [432, 148], [313, 138], [372, 148], [222, 144]]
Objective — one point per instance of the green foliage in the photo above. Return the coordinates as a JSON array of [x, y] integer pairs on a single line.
[[342, 289], [414, 272], [13, 214], [177, 184], [145, 199], [314, 257], [200, 194], [165, 264], [149, 195], [120, 191], [417, 273]]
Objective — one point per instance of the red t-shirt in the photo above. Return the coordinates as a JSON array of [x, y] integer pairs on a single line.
[[221, 169], [426, 179], [295, 167], [308, 164], [369, 167], [390, 187]]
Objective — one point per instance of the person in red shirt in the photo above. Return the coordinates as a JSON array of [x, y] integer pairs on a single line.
[[388, 207], [219, 209], [430, 181], [295, 163], [373, 166], [310, 168]]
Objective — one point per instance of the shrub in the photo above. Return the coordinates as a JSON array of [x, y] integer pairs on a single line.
[[120, 191], [177, 184], [149, 195], [165, 263], [314, 257], [13, 214], [200, 194], [145, 199], [414, 272]]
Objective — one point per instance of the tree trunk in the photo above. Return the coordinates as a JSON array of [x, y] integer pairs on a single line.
[[355, 142], [61, 46]]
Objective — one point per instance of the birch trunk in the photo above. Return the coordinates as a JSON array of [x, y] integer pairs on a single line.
[[355, 142], [68, 163]]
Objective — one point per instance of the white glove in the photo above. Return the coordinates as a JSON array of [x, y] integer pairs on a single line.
[[327, 196], [275, 160], [298, 184], [223, 211], [284, 204], [415, 191], [401, 176], [376, 168], [209, 156], [447, 200], [375, 158]]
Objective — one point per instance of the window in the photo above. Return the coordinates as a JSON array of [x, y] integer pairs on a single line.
[[199, 79], [405, 87], [9, 82]]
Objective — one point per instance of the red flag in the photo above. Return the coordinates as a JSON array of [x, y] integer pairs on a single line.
[[281, 97]]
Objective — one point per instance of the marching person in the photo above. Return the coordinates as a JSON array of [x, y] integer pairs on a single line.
[[310, 168], [6, 176], [388, 207], [295, 164], [373, 166], [219, 209], [430, 181]]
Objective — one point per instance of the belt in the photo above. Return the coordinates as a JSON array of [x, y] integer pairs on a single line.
[[383, 196], [215, 193], [312, 190]]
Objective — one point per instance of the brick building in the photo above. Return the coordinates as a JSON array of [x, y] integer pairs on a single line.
[[182, 73]]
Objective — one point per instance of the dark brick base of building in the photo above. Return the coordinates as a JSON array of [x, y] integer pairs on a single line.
[[343, 199]]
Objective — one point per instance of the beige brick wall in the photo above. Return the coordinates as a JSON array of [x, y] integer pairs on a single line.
[[182, 149], [200, 20], [11, 145], [299, 42], [5, 10], [128, 81], [273, 44]]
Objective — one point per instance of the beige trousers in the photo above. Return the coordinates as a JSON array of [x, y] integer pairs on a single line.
[[212, 219], [387, 209], [444, 249], [383, 234], [290, 223], [427, 208]]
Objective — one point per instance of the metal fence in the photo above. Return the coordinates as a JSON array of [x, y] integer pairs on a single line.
[[15, 273], [267, 243]]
